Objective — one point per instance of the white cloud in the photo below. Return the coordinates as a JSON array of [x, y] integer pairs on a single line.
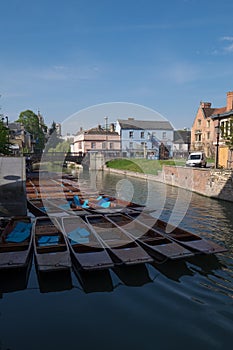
[[227, 38]]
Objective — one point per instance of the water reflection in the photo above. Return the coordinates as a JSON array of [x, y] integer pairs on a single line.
[[54, 281], [14, 280], [173, 270], [95, 281], [136, 275]]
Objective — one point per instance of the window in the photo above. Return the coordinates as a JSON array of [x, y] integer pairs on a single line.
[[164, 135], [208, 123], [103, 145], [93, 145], [131, 134], [199, 122], [80, 145], [142, 134], [208, 135], [111, 145], [198, 137], [131, 145]]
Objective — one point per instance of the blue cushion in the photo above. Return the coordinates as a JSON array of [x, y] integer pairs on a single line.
[[79, 235], [48, 240], [106, 204], [80, 240], [77, 200], [20, 233], [85, 204]]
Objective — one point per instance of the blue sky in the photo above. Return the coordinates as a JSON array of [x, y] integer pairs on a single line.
[[64, 56]]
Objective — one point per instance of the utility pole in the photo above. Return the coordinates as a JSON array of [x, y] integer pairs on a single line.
[[106, 131]]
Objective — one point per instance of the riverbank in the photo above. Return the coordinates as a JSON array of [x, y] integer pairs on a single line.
[[213, 183]]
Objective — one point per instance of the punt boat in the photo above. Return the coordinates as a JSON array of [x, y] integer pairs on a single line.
[[189, 240], [156, 244], [88, 253], [15, 242], [121, 247], [51, 250]]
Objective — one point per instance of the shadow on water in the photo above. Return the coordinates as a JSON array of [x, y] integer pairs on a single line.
[[95, 281], [54, 281], [136, 275], [173, 270], [205, 264]]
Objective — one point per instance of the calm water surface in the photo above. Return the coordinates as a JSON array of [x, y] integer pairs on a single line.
[[178, 305]]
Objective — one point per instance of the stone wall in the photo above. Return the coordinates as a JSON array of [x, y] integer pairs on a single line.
[[215, 183], [13, 199]]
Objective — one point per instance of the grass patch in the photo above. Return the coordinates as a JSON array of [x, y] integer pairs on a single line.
[[141, 165]]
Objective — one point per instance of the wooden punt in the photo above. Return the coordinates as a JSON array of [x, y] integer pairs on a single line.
[[156, 244], [39, 207], [120, 246], [66, 205], [16, 243], [88, 253], [189, 240], [103, 204], [51, 250]]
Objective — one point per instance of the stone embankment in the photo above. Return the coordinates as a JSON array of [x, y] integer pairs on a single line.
[[12, 186], [215, 183]]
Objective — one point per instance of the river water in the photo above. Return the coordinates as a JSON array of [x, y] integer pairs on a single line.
[[175, 305]]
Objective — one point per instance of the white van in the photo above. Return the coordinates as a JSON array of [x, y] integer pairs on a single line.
[[196, 159]]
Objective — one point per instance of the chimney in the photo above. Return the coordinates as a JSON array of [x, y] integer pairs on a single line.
[[130, 118], [81, 129], [205, 104], [230, 101], [112, 127]]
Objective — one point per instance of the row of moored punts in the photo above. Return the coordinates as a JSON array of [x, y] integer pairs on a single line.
[[95, 241]]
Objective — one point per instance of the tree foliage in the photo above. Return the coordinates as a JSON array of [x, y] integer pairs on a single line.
[[54, 139], [227, 133], [4, 139], [32, 125], [62, 146]]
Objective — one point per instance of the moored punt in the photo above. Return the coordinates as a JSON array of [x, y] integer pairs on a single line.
[[103, 204], [16, 243], [156, 244], [39, 207], [120, 246], [87, 251], [50, 247], [189, 240], [66, 206]]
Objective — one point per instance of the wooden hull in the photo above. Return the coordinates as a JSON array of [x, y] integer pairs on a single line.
[[50, 247], [15, 254], [188, 240], [156, 244], [88, 253], [121, 247]]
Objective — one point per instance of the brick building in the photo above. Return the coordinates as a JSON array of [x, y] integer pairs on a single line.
[[203, 132]]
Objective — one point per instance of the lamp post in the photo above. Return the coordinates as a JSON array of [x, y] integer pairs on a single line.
[[217, 130], [106, 131]]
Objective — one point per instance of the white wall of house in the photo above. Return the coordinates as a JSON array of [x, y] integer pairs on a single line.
[[141, 139]]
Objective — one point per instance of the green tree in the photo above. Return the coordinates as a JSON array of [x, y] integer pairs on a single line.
[[54, 139], [62, 146], [4, 139], [227, 134], [32, 125]]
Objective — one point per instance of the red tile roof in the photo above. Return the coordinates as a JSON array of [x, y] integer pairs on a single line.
[[208, 112]]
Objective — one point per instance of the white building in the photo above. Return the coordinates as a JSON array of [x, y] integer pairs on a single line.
[[145, 138]]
